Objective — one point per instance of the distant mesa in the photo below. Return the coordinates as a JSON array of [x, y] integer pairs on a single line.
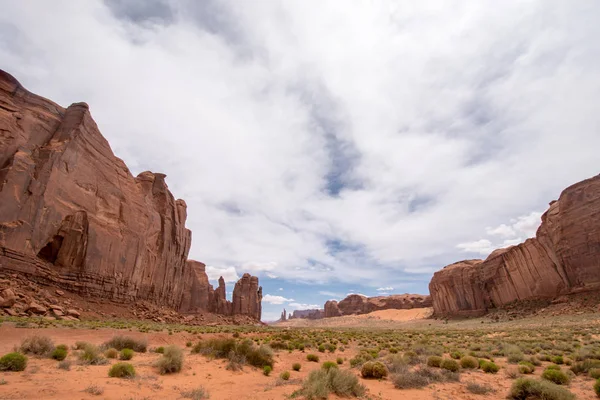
[[357, 304], [562, 259], [72, 215]]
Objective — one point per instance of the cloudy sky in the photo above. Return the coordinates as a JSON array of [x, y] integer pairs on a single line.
[[338, 146]]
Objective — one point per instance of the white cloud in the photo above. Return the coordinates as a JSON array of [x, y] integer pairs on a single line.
[[335, 295], [482, 246], [501, 230], [229, 274], [384, 289], [435, 120], [269, 298], [280, 289], [303, 306]]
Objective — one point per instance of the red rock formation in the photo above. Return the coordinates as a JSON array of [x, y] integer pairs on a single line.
[[73, 215], [357, 304], [307, 314], [332, 309], [563, 258], [247, 297]]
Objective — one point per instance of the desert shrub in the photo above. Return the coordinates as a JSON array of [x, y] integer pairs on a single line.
[[13, 362], [553, 366], [584, 366], [126, 354], [285, 375], [188, 344], [525, 367], [321, 383], [267, 370], [296, 366], [196, 394], [556, 376], [37, 345], [526, 388], [65, 364], [409, 380], [457, 355], [312, 357], [121, 370], [160, 350], [597, 387], [512, 372], [558, 360], [328, 365], [412, 358], [79, 345], [111, 353], [339, 360], [59, 354], [535, 361], [257, 356], [126, 342], [373, 369], [434, 361], [469, 362], [449, 364], [171, 361], [594, 373], [91, 355], [489, 367], [94, 390], [476, 388]]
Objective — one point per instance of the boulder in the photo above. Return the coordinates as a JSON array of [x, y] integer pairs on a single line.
[[8, 298], [562, 259], [35, 308]]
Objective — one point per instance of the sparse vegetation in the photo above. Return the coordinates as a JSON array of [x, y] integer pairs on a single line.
[[296, 366], [94, 390], [477, 388], [246, 351], [285, 375], [171, 361], [122, 370], [125, 342], [111, 353], [555, 376], [13, 362], [312, 357], [267, 370], [526, 388], [197, 394], [37, 345], [321, 383], [91, 355], [126, 354]]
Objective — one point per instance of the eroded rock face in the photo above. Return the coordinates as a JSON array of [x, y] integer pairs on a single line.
[[308, 314], [331, 309], [563, 258], [358, 304], [73, 215], [247, 297]]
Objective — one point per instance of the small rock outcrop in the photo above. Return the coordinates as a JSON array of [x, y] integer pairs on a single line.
[[283, 317], [73, 216], [562, 259]]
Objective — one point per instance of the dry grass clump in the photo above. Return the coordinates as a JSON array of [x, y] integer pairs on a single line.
[[125, 342], [376, 370], [196, 394], [37, 345], [245, 351], [526, 388], [122, 370], [171, 361], [476, 388], [91, 355], [321, 383], [94, 390]]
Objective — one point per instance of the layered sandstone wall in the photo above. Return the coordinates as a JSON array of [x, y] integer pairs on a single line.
[[563, 258], [73, 215]]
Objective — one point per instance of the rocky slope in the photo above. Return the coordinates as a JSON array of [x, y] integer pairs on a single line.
[[73, 216], [357, 304], [563, 258]]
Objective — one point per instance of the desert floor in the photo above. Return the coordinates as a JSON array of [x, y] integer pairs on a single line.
[[42, 379]]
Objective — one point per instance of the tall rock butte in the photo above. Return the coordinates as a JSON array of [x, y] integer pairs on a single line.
[[563, 258], [72, 215], [358, 304]]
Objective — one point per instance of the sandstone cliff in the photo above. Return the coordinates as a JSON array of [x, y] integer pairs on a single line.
[[72, 214], [563, 258], [357, 304], [307, 314]]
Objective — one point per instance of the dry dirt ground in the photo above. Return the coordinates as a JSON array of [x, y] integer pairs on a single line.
[[43, 380]]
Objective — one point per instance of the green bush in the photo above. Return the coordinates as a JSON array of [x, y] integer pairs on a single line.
[[91, 355], [597, 387], [285, 375], [125, 342], [339, 360], [13, 362], [558, 360], [121, 370], [321, 383], [296, 366], [267, 370], [526, 388], [489, 367], [434, 361], [171, 361], [585, 366], [556, 376], [469, 362], [59, 354], [449, 365], [312, 357], [37, 345], [111, 353], [457, 355], [160, 350], [373, 369], [126, 354], [525, 367], [328, 365], [594, 373]]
